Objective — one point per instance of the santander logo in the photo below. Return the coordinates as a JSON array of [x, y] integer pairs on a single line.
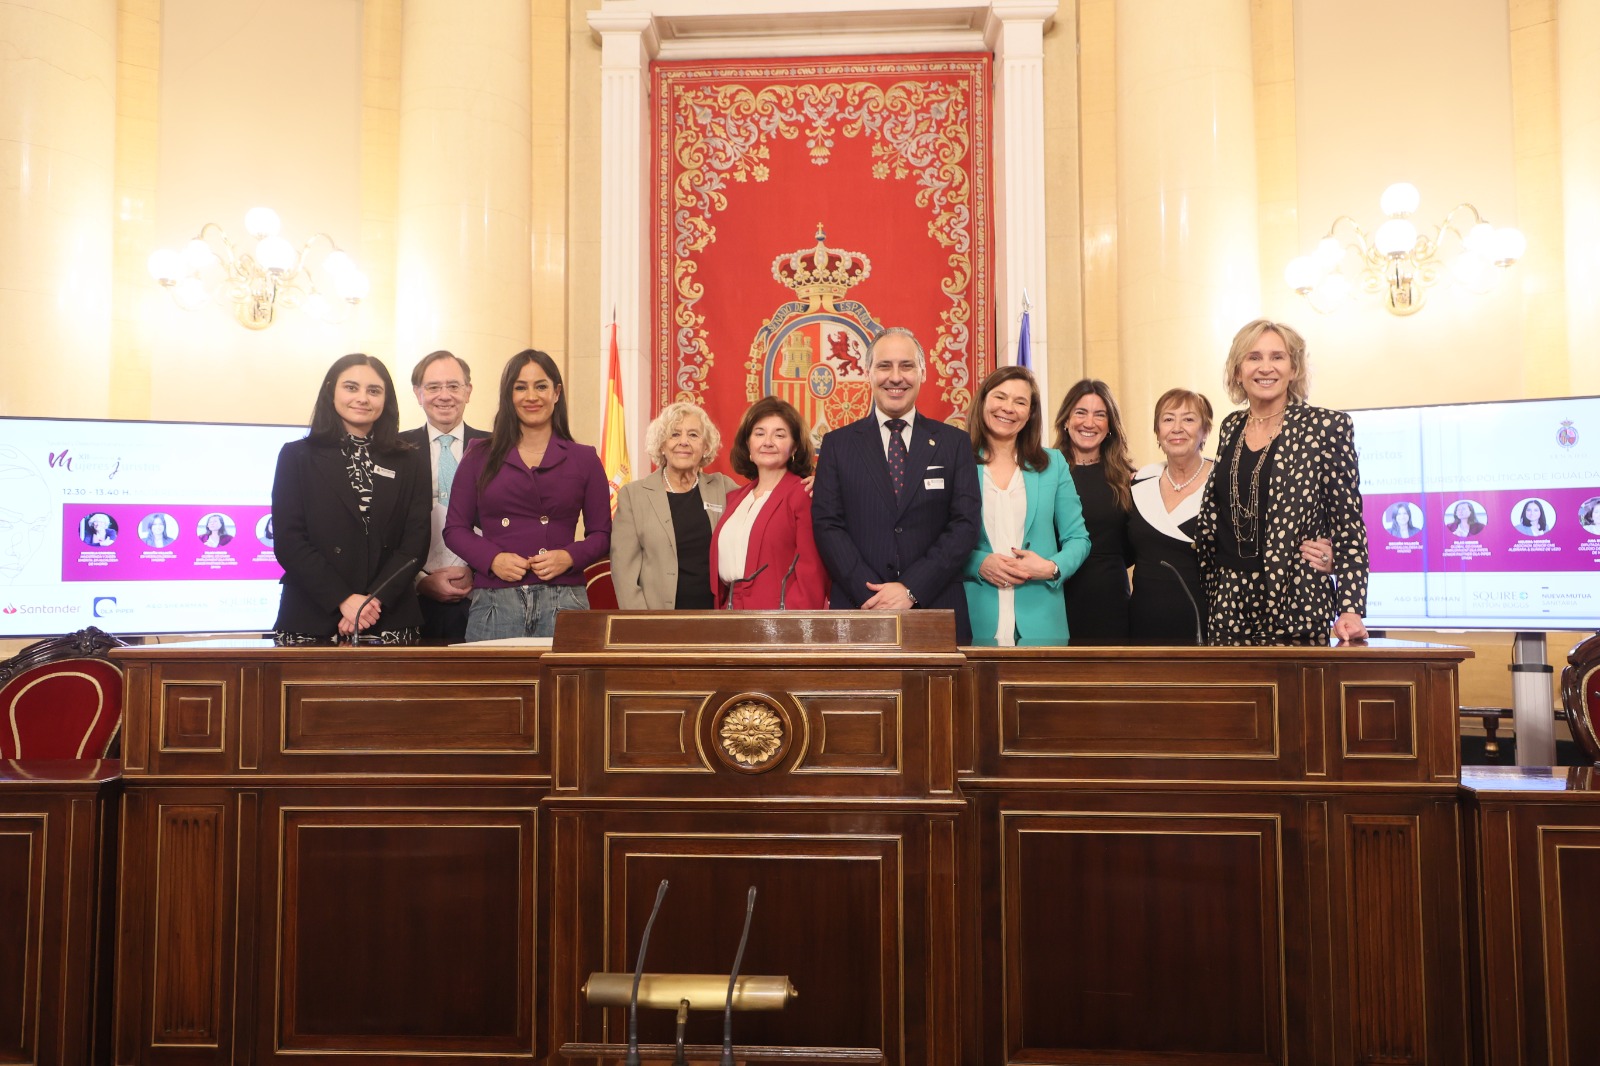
[[9, 608]]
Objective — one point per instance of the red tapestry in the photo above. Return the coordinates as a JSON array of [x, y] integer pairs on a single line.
[[803, 206]]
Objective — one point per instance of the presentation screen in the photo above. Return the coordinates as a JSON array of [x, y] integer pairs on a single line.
[[1483, 516], [137, 527]]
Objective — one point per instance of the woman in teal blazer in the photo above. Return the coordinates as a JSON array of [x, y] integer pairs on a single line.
[[1033, 536]]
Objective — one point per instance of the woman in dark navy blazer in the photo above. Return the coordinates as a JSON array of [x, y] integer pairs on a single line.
[[763, 553], [350, 514]]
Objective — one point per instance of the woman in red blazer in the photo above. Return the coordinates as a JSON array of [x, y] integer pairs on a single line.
[[763, 554]]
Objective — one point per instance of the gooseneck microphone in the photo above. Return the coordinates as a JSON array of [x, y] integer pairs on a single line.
[[406, 563], [783, 587], [747, 579], [638, 972], [1199, 628], [733, 978]]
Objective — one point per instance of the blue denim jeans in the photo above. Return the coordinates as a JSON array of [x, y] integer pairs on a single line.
[[523, 611]]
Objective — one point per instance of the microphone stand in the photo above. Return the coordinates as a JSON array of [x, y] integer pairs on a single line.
[[383, 586], [638, 972], [783, 586], [738, 960], [736, 582], [1199, 628]]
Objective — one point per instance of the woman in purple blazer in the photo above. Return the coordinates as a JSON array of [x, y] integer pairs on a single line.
[[515, 504]]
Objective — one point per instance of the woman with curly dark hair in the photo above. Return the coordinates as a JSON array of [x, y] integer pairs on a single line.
[[763, 553]]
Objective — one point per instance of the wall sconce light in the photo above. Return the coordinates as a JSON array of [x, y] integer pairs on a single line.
[[1400, 263], [210, 269]]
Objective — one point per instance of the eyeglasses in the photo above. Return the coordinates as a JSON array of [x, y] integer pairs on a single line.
[[434, 388]]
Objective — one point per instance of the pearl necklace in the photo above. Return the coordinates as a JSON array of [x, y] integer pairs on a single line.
[[1188, 481], [668, 481]]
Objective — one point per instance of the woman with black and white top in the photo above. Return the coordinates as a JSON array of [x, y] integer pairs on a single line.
[[1286, 473]]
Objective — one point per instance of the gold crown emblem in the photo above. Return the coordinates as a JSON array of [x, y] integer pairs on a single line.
[[820, 275]]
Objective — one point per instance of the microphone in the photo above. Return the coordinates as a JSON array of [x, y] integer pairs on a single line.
[[736, 582], [1199, 629], [783, 586], [738, 959], [638, 972], [383, 586]]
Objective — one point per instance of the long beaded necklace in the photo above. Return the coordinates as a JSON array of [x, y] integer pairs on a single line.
[[1245, 516]]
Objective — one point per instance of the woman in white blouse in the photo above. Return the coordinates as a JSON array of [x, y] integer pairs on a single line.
[[1033, 535]]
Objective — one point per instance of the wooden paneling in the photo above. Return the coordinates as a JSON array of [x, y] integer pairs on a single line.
[[22, 901], [1535, 846], [400, 927], [57, 839], [1083, 855], [190, 910], [1093, 899], [1383, 903], [1130, 720]]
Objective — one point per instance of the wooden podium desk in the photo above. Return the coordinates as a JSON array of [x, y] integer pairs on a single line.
[[1533, 837], [1213, 855], [1080, 855], [58, 839], [330, 855]]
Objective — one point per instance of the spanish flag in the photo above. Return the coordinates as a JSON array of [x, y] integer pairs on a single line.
[[614, 433]]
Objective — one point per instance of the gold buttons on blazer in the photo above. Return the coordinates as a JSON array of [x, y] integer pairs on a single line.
[[544, 520], [505, 521]]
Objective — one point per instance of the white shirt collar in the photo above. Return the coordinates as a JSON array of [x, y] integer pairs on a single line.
[[459, 433], [883, 419]]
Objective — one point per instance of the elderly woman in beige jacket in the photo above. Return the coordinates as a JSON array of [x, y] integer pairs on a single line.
[[661, 536]]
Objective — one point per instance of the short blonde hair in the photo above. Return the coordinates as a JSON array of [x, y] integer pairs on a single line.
[[655, 437], [1246, 339]]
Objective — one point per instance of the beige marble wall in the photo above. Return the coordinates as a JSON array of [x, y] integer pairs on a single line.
[[57, 178], [584, 352], [134, 229], [1097, 159], [1064, 231]]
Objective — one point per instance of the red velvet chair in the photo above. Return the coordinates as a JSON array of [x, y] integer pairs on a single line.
[[1580, 695], [61, 698], [602, 593]]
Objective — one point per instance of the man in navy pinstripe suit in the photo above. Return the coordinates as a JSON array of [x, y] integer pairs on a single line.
[[896, 508]]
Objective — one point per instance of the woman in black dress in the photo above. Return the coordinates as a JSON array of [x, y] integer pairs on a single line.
[[1167, 596], [1089, 433]]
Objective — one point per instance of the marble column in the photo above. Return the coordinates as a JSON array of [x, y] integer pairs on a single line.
[[1578, 37], [1188, 258], [58, 73], [1015, 32], [628, 42], [464, 260]]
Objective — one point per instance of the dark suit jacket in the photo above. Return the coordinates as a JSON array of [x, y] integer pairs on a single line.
[[325, 552], [780, 537], [923, 541], [419, 437]]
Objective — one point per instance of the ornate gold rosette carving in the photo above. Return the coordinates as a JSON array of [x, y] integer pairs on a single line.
[[751, 733]]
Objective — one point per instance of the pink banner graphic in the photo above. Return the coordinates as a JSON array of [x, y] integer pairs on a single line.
[[167, 542]]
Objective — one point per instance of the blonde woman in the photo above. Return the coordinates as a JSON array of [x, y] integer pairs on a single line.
[[661, 537]]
